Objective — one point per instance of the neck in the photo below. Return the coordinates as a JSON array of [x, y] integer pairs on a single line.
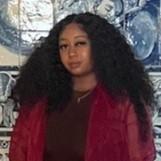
[[84, 83]]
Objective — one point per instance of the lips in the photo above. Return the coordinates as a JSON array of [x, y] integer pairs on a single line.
[[74, 64]]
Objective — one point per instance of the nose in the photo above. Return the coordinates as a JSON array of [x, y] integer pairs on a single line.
[[72, 51]]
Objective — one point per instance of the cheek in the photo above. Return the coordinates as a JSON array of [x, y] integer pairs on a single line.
[[88, 63], [86, 52], [87, 56], [64, 61], [90, 59]]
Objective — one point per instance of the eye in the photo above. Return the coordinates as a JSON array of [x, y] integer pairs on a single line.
[[63, 46], [80, 43]]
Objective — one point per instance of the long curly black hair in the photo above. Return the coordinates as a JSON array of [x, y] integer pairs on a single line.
[[43, 75]]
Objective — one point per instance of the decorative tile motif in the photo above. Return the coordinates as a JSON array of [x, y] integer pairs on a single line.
[[141, 28], [8, 107], [4, 147], [18, 19], [8, 111], [156, 78]]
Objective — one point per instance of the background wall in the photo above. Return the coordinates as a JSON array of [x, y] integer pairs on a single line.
[[24, 23]]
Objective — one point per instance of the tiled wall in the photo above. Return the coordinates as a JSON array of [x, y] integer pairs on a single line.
[[24, 22]]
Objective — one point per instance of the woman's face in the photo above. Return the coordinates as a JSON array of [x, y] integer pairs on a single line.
[[75, 50]]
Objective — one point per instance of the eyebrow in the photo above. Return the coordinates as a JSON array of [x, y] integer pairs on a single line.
[[80, 36]]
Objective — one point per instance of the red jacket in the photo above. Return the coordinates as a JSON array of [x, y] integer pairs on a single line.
[[112, 132]]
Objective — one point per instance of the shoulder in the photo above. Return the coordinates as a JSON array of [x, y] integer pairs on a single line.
[[29, 124], [29, 111], [117, 105], [126, 108]]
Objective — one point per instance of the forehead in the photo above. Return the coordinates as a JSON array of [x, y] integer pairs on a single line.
[[72, 29]]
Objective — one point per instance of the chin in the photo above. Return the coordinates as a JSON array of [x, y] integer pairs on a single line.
[[77, 74], [80, 74]]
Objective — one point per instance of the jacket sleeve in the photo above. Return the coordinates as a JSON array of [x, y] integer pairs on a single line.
[[19, 137], [138, 150]]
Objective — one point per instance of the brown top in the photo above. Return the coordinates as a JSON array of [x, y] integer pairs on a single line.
[[67, 130]]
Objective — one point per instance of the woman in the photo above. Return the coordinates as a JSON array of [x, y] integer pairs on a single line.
[[83, 97]]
